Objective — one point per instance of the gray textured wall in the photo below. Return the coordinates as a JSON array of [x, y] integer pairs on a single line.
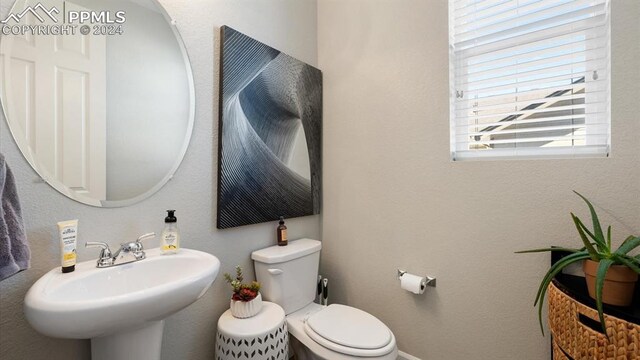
[[288, 25], [392, 198]]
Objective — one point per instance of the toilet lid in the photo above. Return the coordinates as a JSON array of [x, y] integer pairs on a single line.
[[349, 330]]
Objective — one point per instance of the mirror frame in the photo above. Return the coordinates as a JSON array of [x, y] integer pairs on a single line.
[[63, 189]]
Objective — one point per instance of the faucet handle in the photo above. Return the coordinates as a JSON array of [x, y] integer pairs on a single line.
[[100, 244], [136, 248], [150, 235], [104, 259], [137, 245]]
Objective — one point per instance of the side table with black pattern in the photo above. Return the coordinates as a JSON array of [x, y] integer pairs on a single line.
[[261, 337]]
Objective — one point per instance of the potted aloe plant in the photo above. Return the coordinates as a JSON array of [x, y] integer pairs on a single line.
[[611, 275], [246, 300]]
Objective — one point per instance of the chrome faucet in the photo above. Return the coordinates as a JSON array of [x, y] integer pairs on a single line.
[[128, 252], [104, 259]]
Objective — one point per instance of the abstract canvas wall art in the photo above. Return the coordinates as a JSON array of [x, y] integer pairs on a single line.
[[270, 133]]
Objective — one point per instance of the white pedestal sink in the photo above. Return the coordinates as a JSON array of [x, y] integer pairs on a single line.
[[120, 308]]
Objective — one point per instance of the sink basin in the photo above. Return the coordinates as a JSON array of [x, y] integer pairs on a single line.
[[122, 301]]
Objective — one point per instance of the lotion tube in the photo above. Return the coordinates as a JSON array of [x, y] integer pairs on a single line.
[[68, 238]]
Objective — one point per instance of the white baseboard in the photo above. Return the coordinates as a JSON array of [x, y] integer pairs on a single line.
[[405, 356]]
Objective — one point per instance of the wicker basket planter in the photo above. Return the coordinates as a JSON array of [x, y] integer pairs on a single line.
[[573, 336]]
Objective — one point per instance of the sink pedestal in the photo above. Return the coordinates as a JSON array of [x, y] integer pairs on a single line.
[[141, 344]]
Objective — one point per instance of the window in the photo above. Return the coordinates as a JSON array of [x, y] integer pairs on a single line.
[[529, 78]]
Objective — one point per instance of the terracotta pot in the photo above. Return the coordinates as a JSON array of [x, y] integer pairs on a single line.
[[619, 283], [246, 309]]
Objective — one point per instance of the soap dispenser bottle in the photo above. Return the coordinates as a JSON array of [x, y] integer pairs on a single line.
[[170, 240], [282, 233]]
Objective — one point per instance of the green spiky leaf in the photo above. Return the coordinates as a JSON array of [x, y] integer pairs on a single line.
[[635, 260], [601, 244], [548, 250], [629, 244], [597, 229], [582, 227], [603, 267], [555, 269], [627, 261], [581, 230]]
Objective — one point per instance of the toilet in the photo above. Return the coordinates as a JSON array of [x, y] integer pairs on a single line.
[[289, 276]]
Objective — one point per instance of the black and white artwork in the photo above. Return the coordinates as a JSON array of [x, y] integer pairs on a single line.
[[270, 133]]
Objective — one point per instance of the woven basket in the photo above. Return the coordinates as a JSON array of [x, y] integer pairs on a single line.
[[567, 321], [557, 353]]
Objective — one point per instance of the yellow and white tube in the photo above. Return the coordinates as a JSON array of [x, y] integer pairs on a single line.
[[68, 238]]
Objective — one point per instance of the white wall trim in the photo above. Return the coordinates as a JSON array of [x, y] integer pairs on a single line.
[[404, 356]]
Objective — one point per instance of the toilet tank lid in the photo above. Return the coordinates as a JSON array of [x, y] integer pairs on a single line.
[[295, 249]]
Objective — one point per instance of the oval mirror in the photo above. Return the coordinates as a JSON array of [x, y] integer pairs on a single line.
[[98, 95]]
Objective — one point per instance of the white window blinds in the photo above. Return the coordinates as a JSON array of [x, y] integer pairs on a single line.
[[529, 78]]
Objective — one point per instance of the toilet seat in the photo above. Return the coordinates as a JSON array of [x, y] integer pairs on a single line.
[[349, 331]]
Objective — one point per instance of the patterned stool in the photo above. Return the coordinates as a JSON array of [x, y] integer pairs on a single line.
[[261, 337]]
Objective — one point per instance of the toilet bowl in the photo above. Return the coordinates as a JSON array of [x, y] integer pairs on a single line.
[[337, 332], [369, 339]]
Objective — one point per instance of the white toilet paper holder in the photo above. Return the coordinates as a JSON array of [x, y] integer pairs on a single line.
[[428, 281]]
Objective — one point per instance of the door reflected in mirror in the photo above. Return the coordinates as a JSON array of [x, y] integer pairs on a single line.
[[98, 95]]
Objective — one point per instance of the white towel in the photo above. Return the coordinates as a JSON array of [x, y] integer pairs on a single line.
[[15, 255]]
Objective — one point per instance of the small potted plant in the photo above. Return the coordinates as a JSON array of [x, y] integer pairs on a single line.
[[246, 300], [611, 275]]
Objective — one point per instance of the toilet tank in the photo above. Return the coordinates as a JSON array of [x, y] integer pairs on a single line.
[[289, 274]]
